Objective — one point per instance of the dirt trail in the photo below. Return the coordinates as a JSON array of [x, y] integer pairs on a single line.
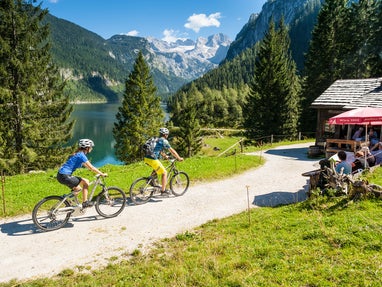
[[90, 240]]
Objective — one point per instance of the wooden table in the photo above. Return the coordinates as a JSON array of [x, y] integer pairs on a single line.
[[335, 145]]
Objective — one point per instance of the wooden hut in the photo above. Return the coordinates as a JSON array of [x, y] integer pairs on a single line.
[[341, 96]]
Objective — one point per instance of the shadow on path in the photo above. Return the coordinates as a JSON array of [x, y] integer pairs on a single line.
[[293, 153], [279, 198], [27, 227]]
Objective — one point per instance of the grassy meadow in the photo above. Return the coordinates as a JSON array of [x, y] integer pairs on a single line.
[[20, 193], [319, 242]]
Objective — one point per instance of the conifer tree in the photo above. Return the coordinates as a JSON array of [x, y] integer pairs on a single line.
[[140, 114], [189, 140], [33, 109], [358, 52], [274, 97], [372, 15], [323, 57], [346, 44]]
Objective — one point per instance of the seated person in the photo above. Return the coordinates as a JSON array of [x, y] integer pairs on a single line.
[[376, 151], [343, 166], [373, 137], [358, 134], [377, 146], [361, 161]]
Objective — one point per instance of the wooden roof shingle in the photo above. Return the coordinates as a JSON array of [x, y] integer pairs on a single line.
[[351, 94]]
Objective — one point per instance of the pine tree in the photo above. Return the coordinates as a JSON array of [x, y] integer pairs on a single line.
[[189, 140], [273, 101], [140, 115], [323, 57], [374, 39], [358, 52], [346, 43], [34, 112]]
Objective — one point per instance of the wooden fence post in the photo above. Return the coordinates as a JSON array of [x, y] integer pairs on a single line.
[[3, 190]]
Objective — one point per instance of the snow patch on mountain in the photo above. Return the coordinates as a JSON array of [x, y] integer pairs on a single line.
[[186, 58]]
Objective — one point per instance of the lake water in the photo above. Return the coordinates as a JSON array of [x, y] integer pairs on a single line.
[[96, 122]]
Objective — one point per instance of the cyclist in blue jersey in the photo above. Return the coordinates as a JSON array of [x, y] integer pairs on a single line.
[[153, 161], [76, 160]]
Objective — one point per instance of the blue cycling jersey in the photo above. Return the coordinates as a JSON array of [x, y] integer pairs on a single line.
[[75, 161]]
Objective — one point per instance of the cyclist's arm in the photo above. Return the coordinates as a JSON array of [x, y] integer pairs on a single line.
[[91, 167], [175, 154]]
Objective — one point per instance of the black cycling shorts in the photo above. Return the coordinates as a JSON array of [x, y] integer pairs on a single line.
[[68, 180]]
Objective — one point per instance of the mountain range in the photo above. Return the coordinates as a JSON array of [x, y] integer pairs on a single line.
[[99, 67], [96, 68]]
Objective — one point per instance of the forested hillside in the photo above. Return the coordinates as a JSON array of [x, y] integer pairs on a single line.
[[96, 68], [345, 43]]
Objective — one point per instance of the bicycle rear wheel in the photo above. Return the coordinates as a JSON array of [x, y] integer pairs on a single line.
[[110, 202], [141, 191], [51, 213], [179, 183]]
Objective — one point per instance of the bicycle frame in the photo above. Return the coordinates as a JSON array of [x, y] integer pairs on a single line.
[[54, 211], [171, 168], [76, 204], [143, 188], [96, 183]]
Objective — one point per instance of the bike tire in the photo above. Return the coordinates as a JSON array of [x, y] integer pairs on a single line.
[[44, 217], [110, 202], [141, 191], [179, 183]]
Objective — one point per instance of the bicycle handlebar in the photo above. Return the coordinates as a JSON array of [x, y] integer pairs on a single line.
[[99, 175]]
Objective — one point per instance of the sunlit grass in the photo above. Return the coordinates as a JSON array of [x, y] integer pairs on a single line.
[[295, 245], [22, 192], [330, 242]]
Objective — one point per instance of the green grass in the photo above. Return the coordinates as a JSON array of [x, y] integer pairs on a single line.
[[22, 192], [319, 242], [335, 244]]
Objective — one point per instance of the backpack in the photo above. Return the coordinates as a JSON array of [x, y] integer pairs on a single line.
[[149, 146]]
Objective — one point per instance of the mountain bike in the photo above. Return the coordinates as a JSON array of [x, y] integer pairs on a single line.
[[144, 188], [53, 212]]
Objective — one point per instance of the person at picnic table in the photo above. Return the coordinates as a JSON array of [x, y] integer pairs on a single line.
[[361, 161], [373, 137], [343, 166], [376, 151], [358, 134]]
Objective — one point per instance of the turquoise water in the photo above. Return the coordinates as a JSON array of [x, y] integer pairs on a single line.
[[96, 122]]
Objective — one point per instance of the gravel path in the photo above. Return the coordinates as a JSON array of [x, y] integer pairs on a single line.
[[90, 240]]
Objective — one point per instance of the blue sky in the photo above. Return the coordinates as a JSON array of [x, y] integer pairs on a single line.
[[161, 19]]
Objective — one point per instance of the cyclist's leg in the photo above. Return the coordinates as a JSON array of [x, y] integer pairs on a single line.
[[164, 180], [158, 167], [85, 186], [73, 182]]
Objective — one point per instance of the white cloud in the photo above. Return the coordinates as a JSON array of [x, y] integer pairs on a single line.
[[132, 33], [170, 35], [198, 21]]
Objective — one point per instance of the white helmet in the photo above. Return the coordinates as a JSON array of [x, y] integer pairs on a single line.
[[164, 131], [84, 143]]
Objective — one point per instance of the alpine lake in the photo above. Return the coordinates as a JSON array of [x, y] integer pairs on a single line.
[[95, 121]]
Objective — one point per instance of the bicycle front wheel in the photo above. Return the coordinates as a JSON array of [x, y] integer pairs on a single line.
[[141, 191], [179, 183], [110, 202], [51, 213]]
